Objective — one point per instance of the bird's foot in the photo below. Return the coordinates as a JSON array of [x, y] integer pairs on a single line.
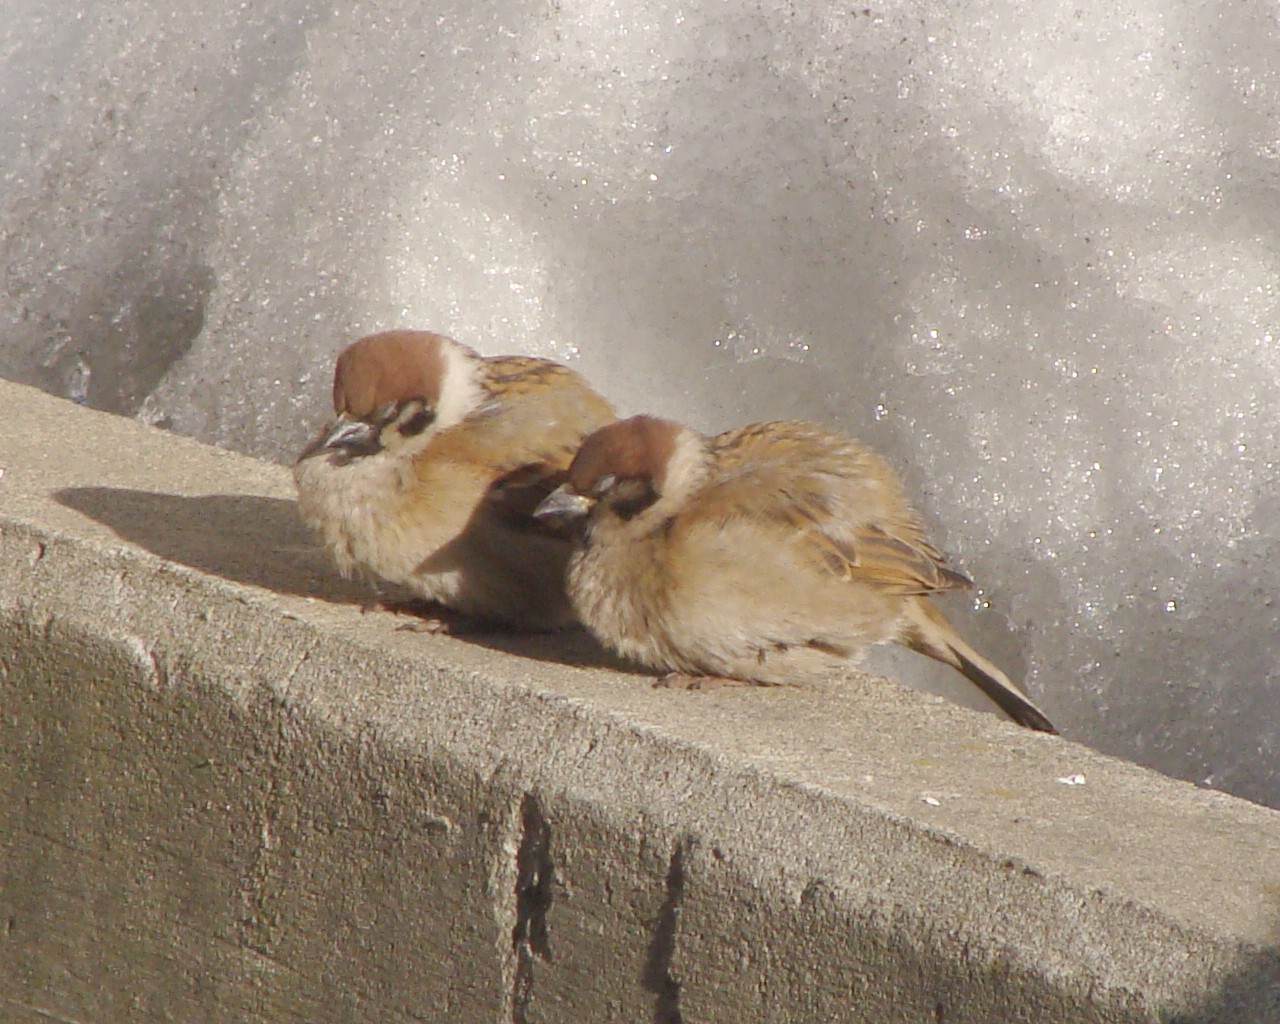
[[685, 681], [431, 617]]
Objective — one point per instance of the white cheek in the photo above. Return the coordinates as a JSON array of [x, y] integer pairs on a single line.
[[460, 390], [686, 468]]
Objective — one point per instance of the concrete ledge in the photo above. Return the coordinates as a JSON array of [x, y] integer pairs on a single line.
[[230, 796]]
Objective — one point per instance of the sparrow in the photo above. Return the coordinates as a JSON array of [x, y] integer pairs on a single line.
[[773, 553], [428, 475]]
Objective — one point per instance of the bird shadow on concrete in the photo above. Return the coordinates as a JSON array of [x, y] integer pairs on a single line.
[[574, 646], [260, 541], [244, 538], [1249, 995]]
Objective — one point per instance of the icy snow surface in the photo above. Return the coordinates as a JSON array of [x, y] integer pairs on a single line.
[[1026, 249]]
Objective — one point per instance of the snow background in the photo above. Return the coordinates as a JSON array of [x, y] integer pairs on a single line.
[[1028, 251]]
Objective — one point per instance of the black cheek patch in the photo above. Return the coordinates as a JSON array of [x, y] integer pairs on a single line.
[[418, 422], [631, 497]]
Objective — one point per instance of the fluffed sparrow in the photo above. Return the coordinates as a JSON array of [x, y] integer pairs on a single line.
[[776, 553], [428, 476]]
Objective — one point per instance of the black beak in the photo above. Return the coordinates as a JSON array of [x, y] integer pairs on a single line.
[[344, 436], [562, 503]]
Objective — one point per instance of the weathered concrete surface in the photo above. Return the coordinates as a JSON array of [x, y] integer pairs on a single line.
[[228, 795]]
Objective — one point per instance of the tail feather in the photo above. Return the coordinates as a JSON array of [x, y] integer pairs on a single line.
[[929, 632]]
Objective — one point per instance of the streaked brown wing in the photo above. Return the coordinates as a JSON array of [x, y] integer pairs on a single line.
[[830, 497], [514, 373], [536, 412], [901, 566], [527, 431]]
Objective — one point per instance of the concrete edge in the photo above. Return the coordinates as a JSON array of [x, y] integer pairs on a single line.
[[746, 832]]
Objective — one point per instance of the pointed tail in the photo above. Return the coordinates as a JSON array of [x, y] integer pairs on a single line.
[[929, 632]]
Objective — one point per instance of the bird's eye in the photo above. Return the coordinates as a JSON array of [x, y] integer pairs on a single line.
[[630, 496], [604, 485], [418, 422]]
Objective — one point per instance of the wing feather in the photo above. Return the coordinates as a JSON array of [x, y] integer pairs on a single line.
[[829, 499], [525, 433]]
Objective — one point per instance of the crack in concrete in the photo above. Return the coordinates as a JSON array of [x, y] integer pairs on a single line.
[[261, 884], [535, 876], [658, 977], [151, 662], [257, 916], [309, 647]]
